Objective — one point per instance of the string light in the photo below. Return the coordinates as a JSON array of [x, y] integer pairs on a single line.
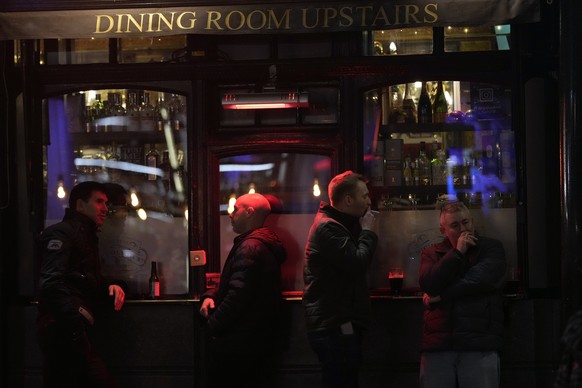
[[316, 190], [134, 199], [61, 192], [252, 188], [142, 214], [231, 202]]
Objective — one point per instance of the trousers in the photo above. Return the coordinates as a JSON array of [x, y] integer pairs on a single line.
[[451, 369]]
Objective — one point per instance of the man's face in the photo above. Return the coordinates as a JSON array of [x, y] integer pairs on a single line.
[[455, 224], [95, 208], [239, 217], [360, 200]]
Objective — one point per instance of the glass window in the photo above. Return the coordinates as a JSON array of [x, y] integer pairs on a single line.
[[129, 140], [293, 183], [152, 49], [404, 41], [463, 151], [485, 38], [304, 46], [245, 48]]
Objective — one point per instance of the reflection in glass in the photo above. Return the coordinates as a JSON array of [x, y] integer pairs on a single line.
[[403, 41], [483, 38], [288, 179]]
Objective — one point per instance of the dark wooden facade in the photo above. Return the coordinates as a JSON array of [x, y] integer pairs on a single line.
[[161, 343]]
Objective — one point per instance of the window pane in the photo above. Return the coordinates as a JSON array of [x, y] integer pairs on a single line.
[[404, 41], [159, 49], [485, 38]]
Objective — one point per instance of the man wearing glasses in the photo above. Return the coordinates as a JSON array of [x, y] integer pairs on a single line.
[[462, 278]]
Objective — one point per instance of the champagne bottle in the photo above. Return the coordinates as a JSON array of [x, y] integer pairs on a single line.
[[424, 107], [154, 281], [408, 106], [440, 106], [152, 160]]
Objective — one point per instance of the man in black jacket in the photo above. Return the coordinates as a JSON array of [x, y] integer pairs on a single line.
[[339, 251], [243, 311], [463, 320], [71, 292]]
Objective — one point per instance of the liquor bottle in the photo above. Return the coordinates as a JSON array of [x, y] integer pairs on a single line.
[[147, 114], [133, 122], [423, 166], [152, 160], [439, 166], [177, 112], [88, 119], [117, 113], [377, 165], [407, 171], [424, 107], [408, 106], [440, 106], [154, 281], [166, 168], [98, 111]]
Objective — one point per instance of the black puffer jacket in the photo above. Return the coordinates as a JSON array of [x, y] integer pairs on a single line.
[[248, 297], [470, 314], [70, 274], [337, 257]]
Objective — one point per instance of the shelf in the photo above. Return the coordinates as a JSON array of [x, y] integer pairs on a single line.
[[424, 128], [117, 137]]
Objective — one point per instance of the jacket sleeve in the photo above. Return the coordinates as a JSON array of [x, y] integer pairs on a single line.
[[242, 282], [56, 254], [485, 276], [436, 272], [348, 255]]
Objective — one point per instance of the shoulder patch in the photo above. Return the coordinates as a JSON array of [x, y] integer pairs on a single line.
[[54, 245]]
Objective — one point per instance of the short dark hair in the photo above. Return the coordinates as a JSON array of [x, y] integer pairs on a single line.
[[344, 184], [84, 191]]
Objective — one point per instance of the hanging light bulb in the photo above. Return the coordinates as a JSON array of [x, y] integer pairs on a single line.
[[61, 192], [142, 214], [186, 214], [231, 202], [134, 199], [316, 190], [252, 188]]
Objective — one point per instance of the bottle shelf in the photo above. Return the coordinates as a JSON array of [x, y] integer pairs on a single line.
[[104, 138], [425, 128]]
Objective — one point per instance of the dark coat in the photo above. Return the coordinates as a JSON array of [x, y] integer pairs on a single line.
[[70, 274], [469, 316], [248, 296], [337, 257]]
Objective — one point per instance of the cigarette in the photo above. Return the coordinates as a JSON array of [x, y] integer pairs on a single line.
[[374, 212]]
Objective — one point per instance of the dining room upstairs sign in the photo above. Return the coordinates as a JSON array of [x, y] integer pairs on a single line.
[[264, 19]]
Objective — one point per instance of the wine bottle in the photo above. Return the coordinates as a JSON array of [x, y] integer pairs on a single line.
[[423, 165], [152, 160], [424, 107], [154, 281], [147, 114], [166, 168], [440, 106], [133, 121]]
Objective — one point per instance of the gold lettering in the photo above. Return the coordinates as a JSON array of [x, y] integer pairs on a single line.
[[279, 23], [364, 10], [228, 17], [132, 20], [261, 15], [411, 11], [397, 14], [382, 17], [192, 21], [213, 18], [168, 23], [346, 16], [304, 13], [329, 14], [98, 26], [150, 22], [431, 9]]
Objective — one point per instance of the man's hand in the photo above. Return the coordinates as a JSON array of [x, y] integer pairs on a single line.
[[465, 241], [207, 305], [368, 220], [427, 299], [118, 296]]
